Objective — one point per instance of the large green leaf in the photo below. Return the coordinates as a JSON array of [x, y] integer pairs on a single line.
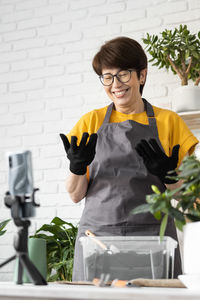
[[179, 224], [176, 214], [159, 206], [193, 218], [143, 208], [59, 222], [163, 226], [3, 225]]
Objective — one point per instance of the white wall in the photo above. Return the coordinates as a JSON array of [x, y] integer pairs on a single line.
[[47, 83]]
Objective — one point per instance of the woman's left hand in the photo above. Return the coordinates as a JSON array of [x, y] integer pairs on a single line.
[[156, 161]]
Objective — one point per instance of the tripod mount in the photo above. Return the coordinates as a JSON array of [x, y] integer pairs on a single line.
[[22, 207]]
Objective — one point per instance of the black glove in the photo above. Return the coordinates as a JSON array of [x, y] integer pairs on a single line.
[[80, 156], [156, 161]]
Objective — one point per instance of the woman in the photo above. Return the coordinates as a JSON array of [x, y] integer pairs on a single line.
[[137, 145]]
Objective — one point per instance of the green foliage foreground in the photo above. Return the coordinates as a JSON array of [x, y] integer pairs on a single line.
[[60, 239], [187, 206]]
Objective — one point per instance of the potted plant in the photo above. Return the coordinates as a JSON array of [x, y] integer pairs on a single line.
[[178, 50], [186, 211], [60, 243]]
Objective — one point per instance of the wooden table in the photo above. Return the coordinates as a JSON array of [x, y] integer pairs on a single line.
[[11, 291]]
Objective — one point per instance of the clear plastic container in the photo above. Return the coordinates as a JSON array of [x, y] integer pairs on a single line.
[[128, 257]]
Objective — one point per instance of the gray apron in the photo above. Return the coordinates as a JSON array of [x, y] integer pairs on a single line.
[[119, 182]]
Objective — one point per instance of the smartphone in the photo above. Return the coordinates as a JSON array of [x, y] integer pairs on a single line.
[[20, 175]]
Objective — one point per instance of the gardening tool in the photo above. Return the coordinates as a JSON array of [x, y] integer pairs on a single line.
[[110, 250]]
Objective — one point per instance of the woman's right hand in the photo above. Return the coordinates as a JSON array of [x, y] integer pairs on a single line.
[[80, 156]]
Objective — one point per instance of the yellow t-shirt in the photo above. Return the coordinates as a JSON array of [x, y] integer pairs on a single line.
[[172, 130]]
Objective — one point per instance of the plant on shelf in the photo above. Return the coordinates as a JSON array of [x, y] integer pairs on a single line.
[[60, 239], [3, 225], [187, 207], [178, 50]]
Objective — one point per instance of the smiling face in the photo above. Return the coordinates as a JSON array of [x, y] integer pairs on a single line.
[[126, 96]]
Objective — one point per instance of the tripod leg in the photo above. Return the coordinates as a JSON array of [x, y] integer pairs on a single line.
[[32, 271], [20, 273], [7, 261]]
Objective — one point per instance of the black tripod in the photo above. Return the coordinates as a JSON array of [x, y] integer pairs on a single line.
[[20, 208]]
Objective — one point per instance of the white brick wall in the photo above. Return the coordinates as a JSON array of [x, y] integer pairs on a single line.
[[47, 83]]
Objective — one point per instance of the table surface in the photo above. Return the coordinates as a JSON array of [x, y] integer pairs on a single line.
[[12, 291]]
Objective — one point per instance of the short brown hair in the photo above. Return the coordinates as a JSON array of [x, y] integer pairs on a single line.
[[121, 52]]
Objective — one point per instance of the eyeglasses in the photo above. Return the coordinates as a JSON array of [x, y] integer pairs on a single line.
[[123, 76]]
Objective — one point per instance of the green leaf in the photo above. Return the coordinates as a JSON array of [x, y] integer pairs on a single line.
[[171, 193], [59, 222], [2, 232], [143, 208], [153, 198], [54, 277], [179, 224], [145, 41], [155, 189], [196, 54], [175, 213], [159, 205], [157, 215], [3, 225], [193, 218], [56, 230], [163, 226]]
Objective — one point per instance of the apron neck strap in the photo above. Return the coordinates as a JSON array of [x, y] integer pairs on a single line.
[[108, 113], [150, 113], [147, 106]]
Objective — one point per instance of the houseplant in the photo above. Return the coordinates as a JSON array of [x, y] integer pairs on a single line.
[[186, 211], [187, 207], [179, 51], [60, 239]]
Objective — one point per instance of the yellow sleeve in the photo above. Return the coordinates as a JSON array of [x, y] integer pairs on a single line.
[[78, 130], [172, 130], [181, 134], [89, 122]]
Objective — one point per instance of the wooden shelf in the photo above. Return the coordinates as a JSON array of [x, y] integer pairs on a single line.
[[192, 119]]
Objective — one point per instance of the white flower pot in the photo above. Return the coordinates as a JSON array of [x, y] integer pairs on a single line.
[[186, 98], [191, 248], [191, 252]]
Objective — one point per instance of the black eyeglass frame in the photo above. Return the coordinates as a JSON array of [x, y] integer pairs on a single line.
[[116, 75]]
